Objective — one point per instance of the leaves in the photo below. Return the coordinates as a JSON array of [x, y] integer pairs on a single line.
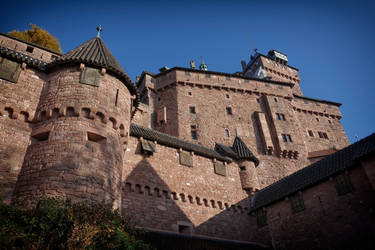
[[58, 224], [38, 36]]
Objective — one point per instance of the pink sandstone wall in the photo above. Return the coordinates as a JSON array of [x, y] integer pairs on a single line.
[[329, 221], [160, 193], [68, 163]]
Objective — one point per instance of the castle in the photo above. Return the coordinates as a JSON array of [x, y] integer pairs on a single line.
[[186, 150]]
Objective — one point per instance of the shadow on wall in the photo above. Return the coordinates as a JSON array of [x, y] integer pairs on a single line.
[[151, 203]]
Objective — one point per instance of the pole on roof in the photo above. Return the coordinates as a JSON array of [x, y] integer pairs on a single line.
[[99, 29]]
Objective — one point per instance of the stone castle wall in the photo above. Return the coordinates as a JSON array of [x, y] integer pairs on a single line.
[[78, 134], [160, 193]]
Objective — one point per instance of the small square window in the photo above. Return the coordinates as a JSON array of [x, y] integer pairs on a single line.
[[227, 96], [29, 49], [311, 134], [282, 117], [278, 116], [329, 121], [193, 127], [296, 202], [289, 138], [192, 110], [226, 132], [286, 138], [275, 99], [317, 119], [343, 184], [190, 94], [258, 100], [320, 134], [242, 168], [229, 111], [194, 135], [325, 136]]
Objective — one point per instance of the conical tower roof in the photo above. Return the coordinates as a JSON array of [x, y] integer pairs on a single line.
[[242, 151], [95, 53]]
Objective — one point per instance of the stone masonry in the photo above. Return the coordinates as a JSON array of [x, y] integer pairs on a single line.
[[183, 150]]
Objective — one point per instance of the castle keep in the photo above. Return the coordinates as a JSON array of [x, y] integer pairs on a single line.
[[185, 150]]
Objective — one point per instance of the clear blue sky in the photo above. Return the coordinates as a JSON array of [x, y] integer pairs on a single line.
[[332, 43]]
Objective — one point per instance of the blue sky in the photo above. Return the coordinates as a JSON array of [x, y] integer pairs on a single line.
[[332, 43]]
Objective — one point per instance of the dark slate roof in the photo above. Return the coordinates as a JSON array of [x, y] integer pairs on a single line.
[[225, 150], [238, 151], [317, 100], [175, 142], [243, 152], [19, 57], [95, 53], [315, 173]]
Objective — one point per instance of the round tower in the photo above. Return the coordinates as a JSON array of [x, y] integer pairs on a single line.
[[247, 163], [81, 124]]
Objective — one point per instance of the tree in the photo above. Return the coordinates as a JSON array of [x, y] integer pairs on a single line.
[[38, 36]]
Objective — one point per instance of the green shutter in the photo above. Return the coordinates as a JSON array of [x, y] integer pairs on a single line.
[[9, 70], [186, 159], [148, 146], [219, 168], [90, 76]]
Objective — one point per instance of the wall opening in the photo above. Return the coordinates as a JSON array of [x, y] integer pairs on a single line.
[[40, 137], [95, 137]]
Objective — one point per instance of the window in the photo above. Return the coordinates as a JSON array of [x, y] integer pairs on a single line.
[[227, 77], [311, 134], [189, 93], [226, 132], [39, 137], [194, 134], [258, 100], [192, 110], [275, 99], [227, 96], [95, 137], [242, 168], [317, 104], [187, 73], [9, 70], [229, 111], [329, 121], [343, 184], [305, 101], [317, 119], [208, 76], [29, 49], [296, 202], [280, 116], [322, 135], [286, 138], [261, 216]]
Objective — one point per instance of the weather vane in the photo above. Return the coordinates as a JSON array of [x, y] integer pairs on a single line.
[[99, 28]]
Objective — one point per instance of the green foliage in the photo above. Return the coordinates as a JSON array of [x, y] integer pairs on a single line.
[[38, 36], [57, 224]]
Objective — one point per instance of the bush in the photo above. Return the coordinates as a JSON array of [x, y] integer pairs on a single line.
[[57, 224]]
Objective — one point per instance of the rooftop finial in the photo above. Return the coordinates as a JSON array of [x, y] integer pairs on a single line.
[[99, 28], [203, 66]]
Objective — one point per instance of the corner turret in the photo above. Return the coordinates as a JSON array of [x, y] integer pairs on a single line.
[[80, 128]]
